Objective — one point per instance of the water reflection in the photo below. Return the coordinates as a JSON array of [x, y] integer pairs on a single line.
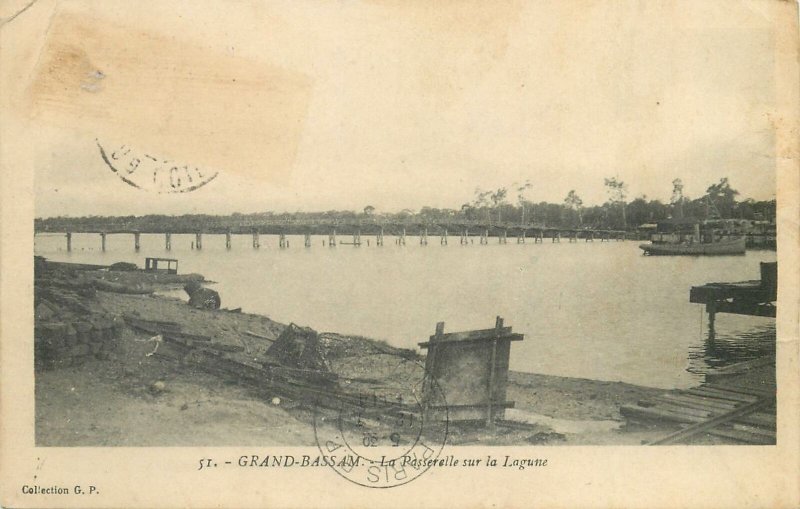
[[730, 347]]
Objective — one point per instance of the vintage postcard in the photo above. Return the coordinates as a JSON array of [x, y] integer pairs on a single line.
[[390, 253]]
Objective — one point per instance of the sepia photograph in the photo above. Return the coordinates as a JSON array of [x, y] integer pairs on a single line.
[[372, 237]]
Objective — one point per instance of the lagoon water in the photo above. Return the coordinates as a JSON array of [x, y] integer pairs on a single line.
[[595, 310]]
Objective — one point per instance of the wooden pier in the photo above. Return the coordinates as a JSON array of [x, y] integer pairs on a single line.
[[468, 229], [753, 298], [736, 403]]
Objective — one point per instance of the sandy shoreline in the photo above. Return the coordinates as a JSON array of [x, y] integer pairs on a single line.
[[110, 401]]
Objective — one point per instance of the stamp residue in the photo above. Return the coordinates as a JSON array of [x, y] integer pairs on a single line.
[[169, 97]]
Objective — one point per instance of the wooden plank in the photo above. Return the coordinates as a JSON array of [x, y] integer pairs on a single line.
[[713, 422], [720, 394], [507, 337], [259, 336], [745, 308], [743, 389], [678, 408], [771, 433], [222, 347], [741, 367], [697, 402], [482, 405], [652, 414], [764, 420], [741, 436], [473, 334], [698, 399], [187, 336]]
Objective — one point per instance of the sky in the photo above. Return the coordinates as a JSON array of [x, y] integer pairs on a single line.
[[305, 106]]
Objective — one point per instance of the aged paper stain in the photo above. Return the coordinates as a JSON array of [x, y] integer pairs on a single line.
[[185, 102]]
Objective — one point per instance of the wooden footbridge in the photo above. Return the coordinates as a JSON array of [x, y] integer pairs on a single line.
[[337, 230]]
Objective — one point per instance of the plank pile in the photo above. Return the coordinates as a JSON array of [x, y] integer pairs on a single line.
[[736, 412]]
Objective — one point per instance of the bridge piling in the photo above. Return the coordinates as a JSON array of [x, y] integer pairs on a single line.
[[503, 237], [256, 242], [136, 241], [379, 238], [332, 238], [521, 237], [282, 243], [464, 236], [307, 240], [423, 237], [103, 241], [401, 241], [168, 241], [485, 237], [228, 239], [357, 238], [198, 240], [443, 240], [69, 241]]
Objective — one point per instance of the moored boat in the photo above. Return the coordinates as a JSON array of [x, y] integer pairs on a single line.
[[686, 236], [720, 247]]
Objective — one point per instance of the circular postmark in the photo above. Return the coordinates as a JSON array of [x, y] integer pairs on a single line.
[[384, 437], [144, 171]]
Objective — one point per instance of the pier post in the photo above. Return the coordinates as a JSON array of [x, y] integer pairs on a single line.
[[168, 241], [492, 375], [443, 240], [465, 236], [256, 242], [379, 239], [332, 238], [282, 240], [402, 240], [307, 240], [198, 240], [69, 241], [423, 237], [228, 239], [103, 241], [357, 238], [711, 309], [136, 241]]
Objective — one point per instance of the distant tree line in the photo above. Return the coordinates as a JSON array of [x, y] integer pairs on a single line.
[[720, 200]]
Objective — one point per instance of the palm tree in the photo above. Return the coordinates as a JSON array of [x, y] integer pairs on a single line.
[[521, 197], [574, 202]]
